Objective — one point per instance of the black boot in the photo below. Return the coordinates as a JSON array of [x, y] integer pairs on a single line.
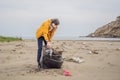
[[39, 66]]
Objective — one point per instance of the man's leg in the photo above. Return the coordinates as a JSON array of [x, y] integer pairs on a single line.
[[40, 41], [45, 42]]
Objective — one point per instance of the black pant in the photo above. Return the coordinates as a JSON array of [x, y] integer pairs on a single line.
[[40, 44]]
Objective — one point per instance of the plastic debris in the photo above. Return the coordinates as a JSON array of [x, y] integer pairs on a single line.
[[67, 73], [75, 59], [93, 52]]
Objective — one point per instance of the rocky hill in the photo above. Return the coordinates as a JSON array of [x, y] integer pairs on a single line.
[[111, 29]]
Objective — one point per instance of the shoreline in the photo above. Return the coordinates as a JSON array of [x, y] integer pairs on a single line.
[[76, 40]]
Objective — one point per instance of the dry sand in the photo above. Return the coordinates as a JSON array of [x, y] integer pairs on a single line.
[[101, 61]]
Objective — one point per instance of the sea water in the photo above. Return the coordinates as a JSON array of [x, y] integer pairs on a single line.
[[76, 38]]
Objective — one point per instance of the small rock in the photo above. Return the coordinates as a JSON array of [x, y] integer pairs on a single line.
[[22, 53], [90, 52], [117, 49], [14, 50], [84, 43], [8, 74], [110, 43], [23, 74], [95, 52], [19, 45]]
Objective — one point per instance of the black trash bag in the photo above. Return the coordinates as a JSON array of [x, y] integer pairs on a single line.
[[52, 58]]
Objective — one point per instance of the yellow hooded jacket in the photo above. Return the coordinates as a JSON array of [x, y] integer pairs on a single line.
[[43, 30]]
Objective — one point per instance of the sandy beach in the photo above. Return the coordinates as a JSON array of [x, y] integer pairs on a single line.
[[100, 61]]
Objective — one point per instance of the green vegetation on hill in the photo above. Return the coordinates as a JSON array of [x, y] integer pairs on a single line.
[[8, 39]]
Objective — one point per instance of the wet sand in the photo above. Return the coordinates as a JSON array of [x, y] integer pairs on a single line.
[[101, 61]]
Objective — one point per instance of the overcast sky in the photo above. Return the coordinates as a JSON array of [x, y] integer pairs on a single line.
[[77, 17]]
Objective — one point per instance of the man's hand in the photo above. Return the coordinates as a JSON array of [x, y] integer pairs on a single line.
[[48, 44]]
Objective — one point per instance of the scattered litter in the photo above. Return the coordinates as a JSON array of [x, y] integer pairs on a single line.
[[67, 73], [93, 52], [75, 59]]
